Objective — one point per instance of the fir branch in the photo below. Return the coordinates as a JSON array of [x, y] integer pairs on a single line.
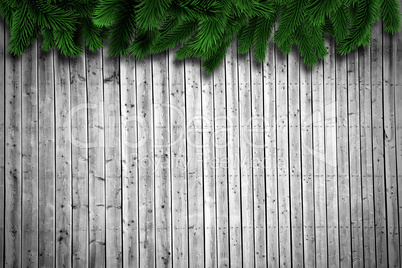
[[106, 12], [6, 11], [171, 38], [364, 19], [216, 58], [208, 36], [150, 12], [66, 42], [142, 44], [306, 48], [340, 23], [48, 41], [291, 16], [390, 15], [246, 36], [204, 28], [262, 34], [317, 39], [124, 28], [51, 16], [23, 31], [92, 35], [319, 9]]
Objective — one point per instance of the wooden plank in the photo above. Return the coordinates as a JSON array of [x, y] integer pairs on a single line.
[[378, 146], [113, 184], [366, 158], [354, 160], [282, 128], [307, 165], [2, 137], [47, 172], [96, 161], [296, 204], [390, 152], [257, 125], [162, 160], [12, 180], [271, 177], [343, 162], [30, 167], [319, 165], [63, 160], [178, 162], [330, 154], [129, 162], [208, 141], [398, 125], [221, 170], [246, 179], [146, 164], [194, 162], [79, 160], [232, 104]]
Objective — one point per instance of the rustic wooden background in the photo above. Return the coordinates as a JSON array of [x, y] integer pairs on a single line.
[[146, 163]]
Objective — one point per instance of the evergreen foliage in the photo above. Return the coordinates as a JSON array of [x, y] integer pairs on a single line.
[[202, 28]]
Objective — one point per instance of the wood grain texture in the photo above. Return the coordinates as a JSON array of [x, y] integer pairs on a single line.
[[195, 169], [2, 138], [79, 113], [246, 166], [342, 155], [331, 176], [394, 258], [162, 160], [129, 160], [282, 159], [397, 54], [12, 171], [146, 163], [233, 141], [178, 162], [113, 183], [30, 167], [221, 166], [94, 194], [295, 171], [354, 160], [47, 163], [257, 125], [63, 160], [208, 153], [318, 149], [307, 166], [367, 158], [271, 175], [378, 145]]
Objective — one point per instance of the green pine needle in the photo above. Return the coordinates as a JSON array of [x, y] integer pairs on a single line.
[[364, 18], [203, 28], [246, 35], [391, 15]]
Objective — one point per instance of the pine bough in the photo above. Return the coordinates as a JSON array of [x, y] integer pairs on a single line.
[[201, 28]]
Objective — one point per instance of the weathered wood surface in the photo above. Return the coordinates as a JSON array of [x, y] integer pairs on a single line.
[[63, 161], [46, 159], [2, 139], [12, 178], [82, 231], [30, 158], [151, 163], [90, 187]]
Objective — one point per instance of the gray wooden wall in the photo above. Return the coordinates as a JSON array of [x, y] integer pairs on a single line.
[[151, 163]]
